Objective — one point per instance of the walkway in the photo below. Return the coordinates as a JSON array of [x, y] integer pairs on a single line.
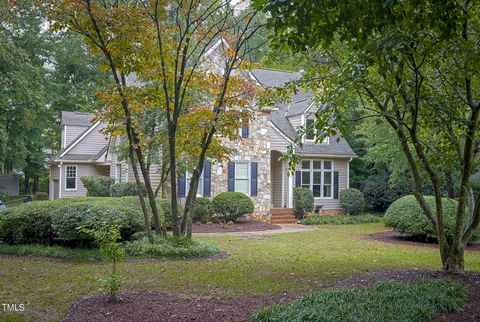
[[286, 228]]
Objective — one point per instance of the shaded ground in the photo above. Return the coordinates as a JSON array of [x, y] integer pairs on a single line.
[[239, 226], [394, 237], [149, 306]]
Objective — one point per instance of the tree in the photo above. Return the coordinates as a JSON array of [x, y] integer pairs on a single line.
[[167, 46], [415, 64]]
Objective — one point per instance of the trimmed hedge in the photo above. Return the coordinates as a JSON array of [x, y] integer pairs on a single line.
[[229, 206], [123, 189], [166, 205], [203, 210], [341, 220], [303, 202], [352, 201], [50, 222], [98, 186], [406, 216]]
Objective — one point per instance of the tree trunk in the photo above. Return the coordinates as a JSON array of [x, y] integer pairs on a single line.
[[449, 184], [173, 182], [454, 262]]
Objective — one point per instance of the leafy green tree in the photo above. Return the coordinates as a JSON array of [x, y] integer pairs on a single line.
[[414, 64]]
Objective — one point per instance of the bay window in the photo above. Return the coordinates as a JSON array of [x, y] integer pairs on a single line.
[[317, 175]]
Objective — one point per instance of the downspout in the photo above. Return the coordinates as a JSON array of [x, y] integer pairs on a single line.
[[60, 181]]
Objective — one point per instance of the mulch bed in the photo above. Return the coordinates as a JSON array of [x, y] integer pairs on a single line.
[[150, 306], [394, 237], [239, 226]]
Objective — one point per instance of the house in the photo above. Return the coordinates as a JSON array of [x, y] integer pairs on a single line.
[[255, 169]]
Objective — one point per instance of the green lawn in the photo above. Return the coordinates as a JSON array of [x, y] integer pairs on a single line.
[[283, 262]]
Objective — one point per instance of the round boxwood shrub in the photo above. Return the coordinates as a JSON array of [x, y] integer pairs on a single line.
[[352, 201], [303, 202], [407, 217], [229, 206], [166, 205], [203, 210], [98, 186]]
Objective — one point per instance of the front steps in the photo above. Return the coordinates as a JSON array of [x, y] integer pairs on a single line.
[[282, 216]]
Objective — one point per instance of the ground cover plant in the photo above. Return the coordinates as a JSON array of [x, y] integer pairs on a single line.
[[384, 301], [254, 267], [341, 219]]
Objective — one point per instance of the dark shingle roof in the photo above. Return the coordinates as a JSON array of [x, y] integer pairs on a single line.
[[77, 119], [297, 105]]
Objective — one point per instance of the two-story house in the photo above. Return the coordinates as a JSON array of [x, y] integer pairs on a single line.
[[255, 169]]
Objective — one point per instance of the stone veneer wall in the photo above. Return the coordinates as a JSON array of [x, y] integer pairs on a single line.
[[255, 148]]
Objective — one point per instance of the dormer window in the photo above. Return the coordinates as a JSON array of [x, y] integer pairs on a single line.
[[312, 133]]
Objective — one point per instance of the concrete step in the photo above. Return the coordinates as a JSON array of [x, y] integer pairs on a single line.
[[281, 211]]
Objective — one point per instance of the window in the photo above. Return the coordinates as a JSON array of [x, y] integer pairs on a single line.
[[188, 178], [317, 175], [245, 130], [118, 173], [71, 178], [242, 177], [312, 132]]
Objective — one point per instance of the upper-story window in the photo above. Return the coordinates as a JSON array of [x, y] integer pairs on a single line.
[[71, 177], [312, 132], [245, 129], [188, 179]]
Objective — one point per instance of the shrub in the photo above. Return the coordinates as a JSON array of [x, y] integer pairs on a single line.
[[380, 193], [341, 220], [47, 222], [203, 210], [352, 201], [303, 201], [123, 189], [229, 206], [97, 186], [40, 196], [407, 217], [423, 300], [170, 247], [27, 223], [166, 205]]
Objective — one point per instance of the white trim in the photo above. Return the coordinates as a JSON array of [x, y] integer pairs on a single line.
[[249, 177], [320, 156], [290, 191], [76, 177], [79, 139], [50, 191], [60, 181], [118, 178], [64, 136]]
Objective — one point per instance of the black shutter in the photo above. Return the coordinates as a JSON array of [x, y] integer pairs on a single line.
[[254, 179], [245, 130], [231, 176], [298, 179], [181, 182], [335, 185], [207, 181]]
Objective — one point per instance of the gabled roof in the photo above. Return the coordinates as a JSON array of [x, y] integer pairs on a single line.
[[77, 119], [298, 104]]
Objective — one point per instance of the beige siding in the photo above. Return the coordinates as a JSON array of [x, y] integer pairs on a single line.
[[276, 175], [71, 133], [296, 121], [83, 169], [92, 143], [155, 175], [278, 141]]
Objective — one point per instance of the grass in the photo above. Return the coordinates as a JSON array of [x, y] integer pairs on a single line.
[[384, 301], [341, 219], [163, 248], [294, 262]]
